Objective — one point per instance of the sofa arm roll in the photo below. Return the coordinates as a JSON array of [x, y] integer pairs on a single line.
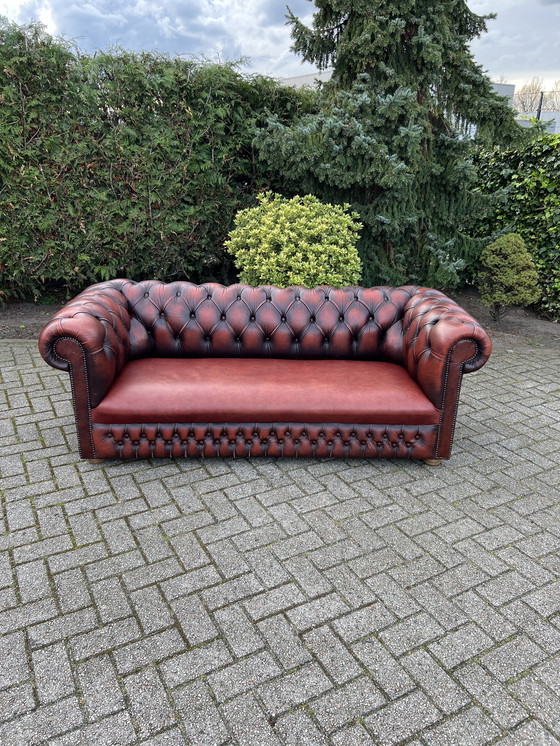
[[440, 337], [89, 337]]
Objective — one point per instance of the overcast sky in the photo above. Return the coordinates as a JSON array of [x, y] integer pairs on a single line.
[[522, 42]]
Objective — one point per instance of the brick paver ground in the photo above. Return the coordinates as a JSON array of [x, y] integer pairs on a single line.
[[259, 602]]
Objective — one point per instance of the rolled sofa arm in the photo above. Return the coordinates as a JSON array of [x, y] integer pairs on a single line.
[[89, 337], [438, 336]]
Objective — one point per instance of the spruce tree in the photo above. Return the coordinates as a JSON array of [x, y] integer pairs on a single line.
[[393, 133]]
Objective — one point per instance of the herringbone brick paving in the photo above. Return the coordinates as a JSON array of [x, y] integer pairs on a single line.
[[283, 602]]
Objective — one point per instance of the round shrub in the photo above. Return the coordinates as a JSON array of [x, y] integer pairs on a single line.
[[298, 241], [508, 276]]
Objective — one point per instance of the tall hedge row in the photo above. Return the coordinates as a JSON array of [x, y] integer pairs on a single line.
[[525, 182], [123, 164]]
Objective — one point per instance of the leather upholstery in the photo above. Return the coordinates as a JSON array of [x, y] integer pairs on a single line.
[[112, 323], [242, 439], [253, 389]]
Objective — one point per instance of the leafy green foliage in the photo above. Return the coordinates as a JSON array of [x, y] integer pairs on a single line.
[[123, 164], [300, 241], [390, 136], [507, 276], [525, 184]]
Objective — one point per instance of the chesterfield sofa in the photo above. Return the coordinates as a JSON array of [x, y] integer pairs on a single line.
[[172, 370]]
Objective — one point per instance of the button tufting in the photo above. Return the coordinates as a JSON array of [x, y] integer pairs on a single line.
[[341, 317], [146, 295], [282, 318], [252, 317], [192, 314], [223, 317]]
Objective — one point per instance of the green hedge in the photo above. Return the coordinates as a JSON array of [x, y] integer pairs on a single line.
[[123, 164], [526, 186]]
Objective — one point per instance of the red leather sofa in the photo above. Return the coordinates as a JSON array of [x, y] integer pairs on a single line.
[[172, 370]]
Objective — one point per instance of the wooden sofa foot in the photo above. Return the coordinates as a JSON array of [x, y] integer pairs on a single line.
[[432, 461], [95, 460]]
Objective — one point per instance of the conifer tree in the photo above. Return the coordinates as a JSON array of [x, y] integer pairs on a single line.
[[393, 134]]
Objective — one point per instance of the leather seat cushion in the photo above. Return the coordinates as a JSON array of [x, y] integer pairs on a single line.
[[161, 390]]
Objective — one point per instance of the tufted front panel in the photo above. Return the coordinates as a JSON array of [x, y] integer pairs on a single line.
[[181, 319], [244, 439]]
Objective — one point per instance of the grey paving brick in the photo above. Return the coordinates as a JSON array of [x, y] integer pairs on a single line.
[[227, 559], [283, 641], [513, 658], [16, 701], [399, 601], [62, 627], [350, 587], [546, 600], [149, 705], [444, 692], [347, 703], [461, 645], [53, 674], [411, 633], [26, 615], [93, 553], [316, 612], [355, 735], [298, 729], [110, 600], [151, 609], [53, 719], [152, 649], [274, 601], [14, 668], [384, 668], [470, 728], [530, 734], [494, 698], [104, 638], [243, 675], [492, 621], [194, 620], [33, 582], [232, 591], [183, 668], [238, 630], [149, 574], [52, 521], [185, 548], [506, 587], [115, 730], [188, 582], [402, 719], [333, 655], [100, 687], [294, 688], [249, 724], [119, 537], [310, 580], [71, 590]]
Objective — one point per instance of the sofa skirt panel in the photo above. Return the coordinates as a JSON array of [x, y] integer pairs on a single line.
[[244, 439]]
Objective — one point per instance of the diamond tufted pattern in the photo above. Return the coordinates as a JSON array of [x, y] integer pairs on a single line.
[[114, 322]]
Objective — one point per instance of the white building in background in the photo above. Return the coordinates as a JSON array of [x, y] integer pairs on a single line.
[[312, 79], [550, 118]]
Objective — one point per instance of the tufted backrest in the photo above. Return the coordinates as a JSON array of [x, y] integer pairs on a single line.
[[183, 319]]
